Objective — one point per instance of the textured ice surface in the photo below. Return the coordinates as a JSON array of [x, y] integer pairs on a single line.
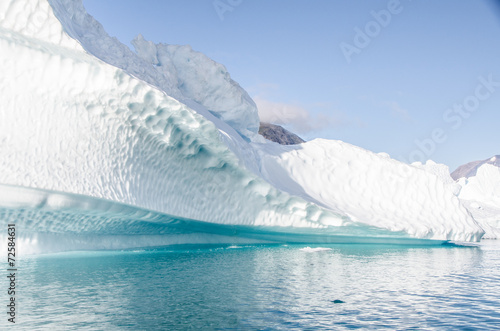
[[83, 114], [442, 171], [481, 195]]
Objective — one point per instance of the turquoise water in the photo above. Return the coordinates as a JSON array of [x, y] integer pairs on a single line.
[[262, 287]]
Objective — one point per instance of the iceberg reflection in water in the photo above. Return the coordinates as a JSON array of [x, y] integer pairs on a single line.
[[271, 287], [55, 221]]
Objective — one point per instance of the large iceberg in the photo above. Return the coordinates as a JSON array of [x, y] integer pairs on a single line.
[[86, 123]]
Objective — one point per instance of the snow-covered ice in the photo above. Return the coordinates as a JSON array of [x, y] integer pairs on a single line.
[[481, 195], [166, 129]]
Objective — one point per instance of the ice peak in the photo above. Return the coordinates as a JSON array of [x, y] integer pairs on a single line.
[[186, 75], [199, 78]]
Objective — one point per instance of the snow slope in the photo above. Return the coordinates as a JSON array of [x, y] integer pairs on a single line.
[[369, 188], [167, 130]]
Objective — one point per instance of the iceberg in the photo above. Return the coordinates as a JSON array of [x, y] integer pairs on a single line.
[[103, 147]]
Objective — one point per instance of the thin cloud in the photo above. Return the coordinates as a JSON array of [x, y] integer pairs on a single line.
[[296, 117]]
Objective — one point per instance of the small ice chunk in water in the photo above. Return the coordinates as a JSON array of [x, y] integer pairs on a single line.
[[315, 249]]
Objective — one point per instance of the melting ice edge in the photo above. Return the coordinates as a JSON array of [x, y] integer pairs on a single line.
[[49, 221]]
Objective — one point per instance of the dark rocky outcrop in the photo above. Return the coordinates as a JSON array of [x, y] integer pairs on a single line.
[[278, 134], [470, 169]]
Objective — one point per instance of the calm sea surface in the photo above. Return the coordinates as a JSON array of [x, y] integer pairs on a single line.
[[261, 288]]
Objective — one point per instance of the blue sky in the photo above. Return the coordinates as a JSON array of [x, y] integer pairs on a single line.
[[416, 79]]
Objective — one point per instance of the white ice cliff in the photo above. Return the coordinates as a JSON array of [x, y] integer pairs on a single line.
[[167, 130]]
